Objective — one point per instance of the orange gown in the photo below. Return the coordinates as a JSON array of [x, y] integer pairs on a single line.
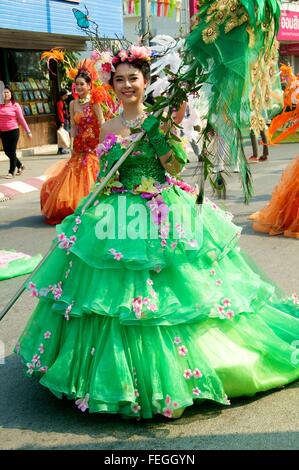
[[72, 179], [281, 215]]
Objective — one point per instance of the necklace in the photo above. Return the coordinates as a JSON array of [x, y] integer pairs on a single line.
[[132, 123], [84, 100]]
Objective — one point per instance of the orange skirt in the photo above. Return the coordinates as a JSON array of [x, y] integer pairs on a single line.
[[281, 215], [68, 181]]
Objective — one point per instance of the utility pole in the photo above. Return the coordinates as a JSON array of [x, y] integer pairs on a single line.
[[144, 20]]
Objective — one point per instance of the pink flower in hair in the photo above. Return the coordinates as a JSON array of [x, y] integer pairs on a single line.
[[140, 52], [123, 55], [95, 55]]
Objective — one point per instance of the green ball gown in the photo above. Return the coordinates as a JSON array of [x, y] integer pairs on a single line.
[[151, 324]]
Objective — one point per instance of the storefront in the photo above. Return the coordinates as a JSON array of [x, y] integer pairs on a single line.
[[32, 26], [288, 36]]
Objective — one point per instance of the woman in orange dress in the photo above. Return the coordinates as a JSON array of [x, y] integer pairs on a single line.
[[281, 215], [72, 179]]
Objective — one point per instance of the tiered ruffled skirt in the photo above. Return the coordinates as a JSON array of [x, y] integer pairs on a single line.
[[147, 326]]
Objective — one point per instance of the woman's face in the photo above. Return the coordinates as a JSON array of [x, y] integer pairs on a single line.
[[82, 87], [6, 94], [129, 84]]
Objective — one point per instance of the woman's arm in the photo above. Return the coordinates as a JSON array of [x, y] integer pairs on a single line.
[[180, 113], [73, 125], [21, 120], [99, 113], [171, 164]]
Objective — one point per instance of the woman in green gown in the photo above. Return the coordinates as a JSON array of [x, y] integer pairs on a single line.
[[147, 305]]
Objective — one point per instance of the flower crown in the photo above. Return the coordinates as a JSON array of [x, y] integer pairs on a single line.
[[105, 62]]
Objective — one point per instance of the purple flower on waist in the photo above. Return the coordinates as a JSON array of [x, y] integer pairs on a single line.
[[106, 145]]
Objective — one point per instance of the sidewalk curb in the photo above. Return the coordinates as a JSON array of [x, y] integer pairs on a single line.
[[50, 149]]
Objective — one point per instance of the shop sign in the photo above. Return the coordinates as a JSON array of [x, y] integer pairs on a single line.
[[289, 26], [289, 49]]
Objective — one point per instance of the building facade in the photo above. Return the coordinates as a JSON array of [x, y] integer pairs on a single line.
[[29, 27], [170, 17], [288, 35]]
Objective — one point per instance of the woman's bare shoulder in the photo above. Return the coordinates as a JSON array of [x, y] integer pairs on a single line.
[[111, 126]]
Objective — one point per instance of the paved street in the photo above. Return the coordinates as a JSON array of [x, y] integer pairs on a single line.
[[32, 418]]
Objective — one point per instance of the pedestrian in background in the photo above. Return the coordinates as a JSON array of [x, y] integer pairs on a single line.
[[11, 116], [254, 157], [62, 117]]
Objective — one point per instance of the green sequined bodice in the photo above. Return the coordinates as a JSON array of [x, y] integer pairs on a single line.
[[141, 162]]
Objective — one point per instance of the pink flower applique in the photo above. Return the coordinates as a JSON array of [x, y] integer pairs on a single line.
[[182, 350], [116, 255], [180, 230], [167, 400], [226, 302], [47, 335], [136, 393], [30, 368], [153, 293], [57, 291], [150, 282], [218, 282], [220, 310], [188, 374], [173, 245], [212, 272], [295, 299], [229, 314], [66, 243], [167, 412], [136, 408], [197, 374], [175, 404], [38, 364], [41, 348], [68, 310], [177, 340], [146, 300], [152, 307], [82, 403], [164, 231], [158, 269], [75, 228], [137, 304], [78, 220], [67, 273], [214, 206], [43, 369], [196, 391], [163, 243], [35, 358], [33, 289]]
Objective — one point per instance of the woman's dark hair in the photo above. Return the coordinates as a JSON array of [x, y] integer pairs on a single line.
[[62, 92], [85, 75], [142, 65], [6, 87]]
